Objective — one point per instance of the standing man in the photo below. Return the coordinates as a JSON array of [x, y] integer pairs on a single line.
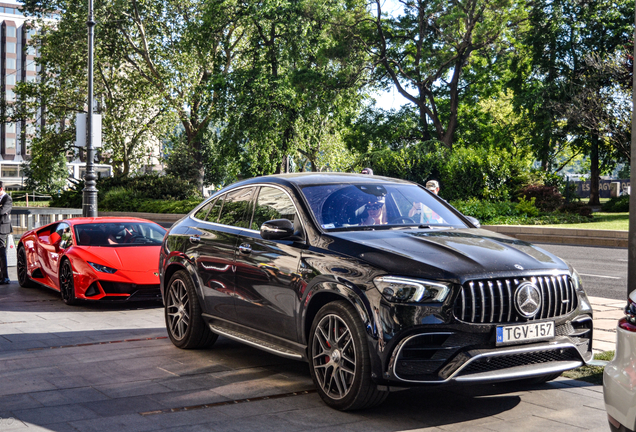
[[6, 204]]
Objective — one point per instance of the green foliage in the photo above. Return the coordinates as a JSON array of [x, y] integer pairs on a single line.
[[433, 57], [462, 173], [508, 213], [140, 188], [548, 198], [527, 207], [47, 170], [130, 200], [616, 205]]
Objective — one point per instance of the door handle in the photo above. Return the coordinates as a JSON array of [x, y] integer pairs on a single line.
[[195, 239], [245, 248]]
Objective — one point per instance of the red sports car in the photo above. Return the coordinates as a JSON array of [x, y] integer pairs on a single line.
[[103, 258]]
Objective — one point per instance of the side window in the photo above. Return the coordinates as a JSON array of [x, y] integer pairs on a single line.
[[237, 208], [64, 230], [210, 211], [272, 204], [203, 211]]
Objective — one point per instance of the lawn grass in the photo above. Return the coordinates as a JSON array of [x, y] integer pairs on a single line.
[[603, 221], [591, 374]]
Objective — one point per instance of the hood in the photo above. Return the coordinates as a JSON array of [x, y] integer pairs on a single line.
[[127, 258], [453, 254]]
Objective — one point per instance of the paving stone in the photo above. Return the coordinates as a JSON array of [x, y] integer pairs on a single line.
[[123, 406], [68, 396], [187, 418], [604, 346], [132, 388], [57, 414], [187, 398], [17, 402], [605, 324], [119, 423]]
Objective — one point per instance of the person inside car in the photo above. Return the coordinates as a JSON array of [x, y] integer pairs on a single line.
[[375, 212]]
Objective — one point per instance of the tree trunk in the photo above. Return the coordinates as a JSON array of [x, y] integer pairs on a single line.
[[595, 173]]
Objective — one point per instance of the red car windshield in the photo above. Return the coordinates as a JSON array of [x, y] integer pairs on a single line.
[[119, 234]]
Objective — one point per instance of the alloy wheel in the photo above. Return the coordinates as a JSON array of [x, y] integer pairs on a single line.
[[22, 268], [67, 289], [177, 309], [334, 356]]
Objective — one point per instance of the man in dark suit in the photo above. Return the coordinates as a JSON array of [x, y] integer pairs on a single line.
[[6, 203]]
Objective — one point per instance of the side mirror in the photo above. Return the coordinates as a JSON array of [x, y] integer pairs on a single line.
[[54, 238], [277, 229], [473, 221]]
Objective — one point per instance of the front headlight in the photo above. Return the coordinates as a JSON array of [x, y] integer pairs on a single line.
[[576, 280], [102, 268], [404, 290]]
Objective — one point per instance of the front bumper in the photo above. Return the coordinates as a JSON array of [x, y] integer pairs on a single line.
[[413, 352]]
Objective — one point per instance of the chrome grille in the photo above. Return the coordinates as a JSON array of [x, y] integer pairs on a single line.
[[492, 300]]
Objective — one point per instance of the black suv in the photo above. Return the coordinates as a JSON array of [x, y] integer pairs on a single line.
[[375, 282]]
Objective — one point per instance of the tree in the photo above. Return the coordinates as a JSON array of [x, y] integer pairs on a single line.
[[557, 80], [171, 55], [131, 119], [297, 79], [424, 52]]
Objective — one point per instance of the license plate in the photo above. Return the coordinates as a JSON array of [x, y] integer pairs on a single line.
[[525, 332]]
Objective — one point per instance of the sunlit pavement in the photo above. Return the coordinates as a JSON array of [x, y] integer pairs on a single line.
[[607, 312], [111, 368]]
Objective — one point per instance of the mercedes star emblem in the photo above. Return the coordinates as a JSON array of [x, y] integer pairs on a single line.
[[528, 299]]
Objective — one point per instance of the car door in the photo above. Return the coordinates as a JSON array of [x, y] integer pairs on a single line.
[[267, 280], [62, 240], [213, 240], [48, 255]]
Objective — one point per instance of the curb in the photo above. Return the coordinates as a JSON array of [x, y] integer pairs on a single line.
[[566, 236]]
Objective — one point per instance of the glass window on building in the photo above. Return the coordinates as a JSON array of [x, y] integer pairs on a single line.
[[31, 66], [102, 172], [10, 63], [31, 50], [10, 96], [9, 145], [1, 9], [11, 79], [10, 31], [11, 47], [9, 10], [10, 128], [30, 129], [31, 78], [10, 170]]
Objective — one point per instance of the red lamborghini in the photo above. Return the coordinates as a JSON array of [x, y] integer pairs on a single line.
[[93, 258]]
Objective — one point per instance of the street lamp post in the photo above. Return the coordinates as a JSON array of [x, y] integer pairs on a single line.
[[89, 200], [631, 244]]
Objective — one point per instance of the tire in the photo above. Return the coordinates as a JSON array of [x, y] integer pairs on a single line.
[[340, 365], [184, 323], [23, 277], [67, 287]]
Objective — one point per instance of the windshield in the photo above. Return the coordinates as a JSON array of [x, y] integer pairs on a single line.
[[119, 234], [360, 206]]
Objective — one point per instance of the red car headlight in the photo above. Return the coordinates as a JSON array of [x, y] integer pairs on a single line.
[[629, 322], [102, 268]]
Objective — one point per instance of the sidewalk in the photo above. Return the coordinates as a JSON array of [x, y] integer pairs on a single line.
[[607, 312]]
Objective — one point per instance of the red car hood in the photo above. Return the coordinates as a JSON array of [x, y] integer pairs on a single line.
[[128, 258]]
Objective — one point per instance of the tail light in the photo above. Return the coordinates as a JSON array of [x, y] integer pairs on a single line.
[[629, 322]]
